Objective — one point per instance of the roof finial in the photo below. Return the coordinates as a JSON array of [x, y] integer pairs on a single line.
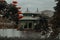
[[27, 10], [37, 10]]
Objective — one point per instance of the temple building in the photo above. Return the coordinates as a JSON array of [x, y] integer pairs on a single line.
[[30, 19]]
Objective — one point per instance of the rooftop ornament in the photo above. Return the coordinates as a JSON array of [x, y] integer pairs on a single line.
[[18, 7], [20, 15]]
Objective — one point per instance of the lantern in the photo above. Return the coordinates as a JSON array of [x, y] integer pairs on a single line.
[[15, 2], [18, 7], [20, 15]]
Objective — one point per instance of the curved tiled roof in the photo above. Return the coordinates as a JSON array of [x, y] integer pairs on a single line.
[[30, 18]]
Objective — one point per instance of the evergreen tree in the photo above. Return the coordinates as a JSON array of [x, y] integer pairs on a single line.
[[10, 11], [3, 5], [13, 13], [56, 21]]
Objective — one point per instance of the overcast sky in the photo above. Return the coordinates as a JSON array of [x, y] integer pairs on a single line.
[[34, 4]]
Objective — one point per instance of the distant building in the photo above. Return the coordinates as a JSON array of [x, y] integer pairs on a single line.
[[29, 20]]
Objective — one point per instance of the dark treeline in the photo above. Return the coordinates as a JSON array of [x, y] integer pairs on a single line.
[[9, 11], [56, 20]]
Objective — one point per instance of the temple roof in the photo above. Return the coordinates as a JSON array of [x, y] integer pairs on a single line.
[[30, 18]]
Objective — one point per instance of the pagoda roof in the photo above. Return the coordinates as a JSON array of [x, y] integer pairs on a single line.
[[30, 18]]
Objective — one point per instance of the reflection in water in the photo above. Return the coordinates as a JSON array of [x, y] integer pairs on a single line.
[[15, 33], [10, 33]]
